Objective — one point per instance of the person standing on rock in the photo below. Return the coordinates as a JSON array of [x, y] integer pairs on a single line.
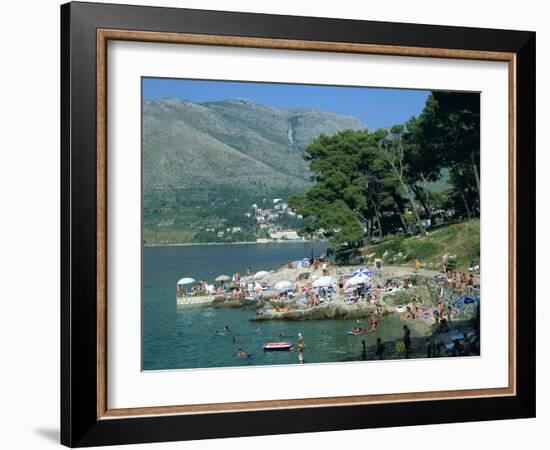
[[301, 347], [364, 351], [379, 349], [407, 340], [429, 348]]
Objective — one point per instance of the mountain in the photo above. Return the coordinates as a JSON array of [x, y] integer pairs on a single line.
[[197, 158]]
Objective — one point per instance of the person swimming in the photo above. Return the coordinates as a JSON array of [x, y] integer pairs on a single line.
[[241, 353]]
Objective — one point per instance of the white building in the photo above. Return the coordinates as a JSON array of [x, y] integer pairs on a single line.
[[287, 235]]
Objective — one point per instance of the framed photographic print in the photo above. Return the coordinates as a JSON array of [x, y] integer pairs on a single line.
[[276, 224]]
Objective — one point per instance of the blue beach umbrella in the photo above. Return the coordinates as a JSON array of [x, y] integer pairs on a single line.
[[466, 300], [363, 272]]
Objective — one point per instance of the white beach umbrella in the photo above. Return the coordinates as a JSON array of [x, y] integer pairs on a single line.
[[223, 278], [283, 285], [186, 280], [324, 282], [261, 274], [357, 279]]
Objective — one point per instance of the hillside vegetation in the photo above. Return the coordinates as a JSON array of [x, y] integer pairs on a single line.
[[460, 241], [407, 178], [204, 164]]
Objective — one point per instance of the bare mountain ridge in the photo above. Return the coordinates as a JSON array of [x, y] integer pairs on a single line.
[[237, 142], [205, 164]]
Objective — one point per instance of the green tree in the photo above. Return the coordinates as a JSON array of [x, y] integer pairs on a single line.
[[335, 204], [379, 182], [448, 132]]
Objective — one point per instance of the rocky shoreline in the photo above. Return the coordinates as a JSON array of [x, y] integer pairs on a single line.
[[392, 292], [325, 312]]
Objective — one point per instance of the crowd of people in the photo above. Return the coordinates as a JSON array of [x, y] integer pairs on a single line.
[[460, 283], [451, 284]]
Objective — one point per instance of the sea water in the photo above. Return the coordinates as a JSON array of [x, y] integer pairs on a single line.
[[192, 337]]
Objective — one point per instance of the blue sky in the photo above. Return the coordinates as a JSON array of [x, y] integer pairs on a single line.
[[374, 107]]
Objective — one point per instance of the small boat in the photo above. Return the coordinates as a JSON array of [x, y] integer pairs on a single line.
[[278, 346]]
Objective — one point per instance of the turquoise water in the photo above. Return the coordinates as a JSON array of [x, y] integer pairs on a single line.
[[179, 338]]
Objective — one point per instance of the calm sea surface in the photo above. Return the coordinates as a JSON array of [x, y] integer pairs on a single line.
[[179, 338]]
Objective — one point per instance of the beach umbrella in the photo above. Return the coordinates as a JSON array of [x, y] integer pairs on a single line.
[[223, 278], [358, 279], [186, 280], [363, 271], [466, 300], [260, 274], [324, 282], [304, 263], [283, 285]]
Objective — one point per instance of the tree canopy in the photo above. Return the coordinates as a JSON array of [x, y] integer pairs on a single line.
[[367, 184]]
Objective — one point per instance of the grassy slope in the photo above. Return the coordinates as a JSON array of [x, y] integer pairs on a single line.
[[461, 239]]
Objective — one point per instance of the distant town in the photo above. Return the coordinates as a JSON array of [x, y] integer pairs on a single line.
[[272, 223]]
